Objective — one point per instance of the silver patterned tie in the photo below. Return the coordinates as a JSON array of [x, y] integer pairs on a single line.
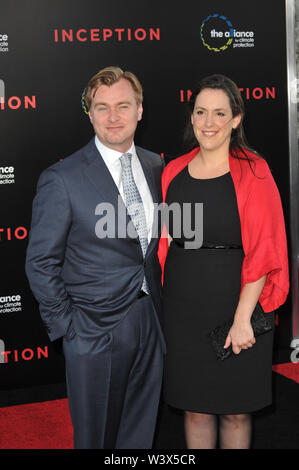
[[134, 205]]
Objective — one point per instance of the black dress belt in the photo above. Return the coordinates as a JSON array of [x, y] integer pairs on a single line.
[[222, 247], [212, 245]]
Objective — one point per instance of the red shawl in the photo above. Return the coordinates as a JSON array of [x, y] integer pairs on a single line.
[[262, 225]]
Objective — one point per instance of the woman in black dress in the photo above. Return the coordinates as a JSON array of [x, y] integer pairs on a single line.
[[233, 270]]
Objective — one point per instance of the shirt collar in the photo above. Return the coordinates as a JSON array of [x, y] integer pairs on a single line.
[[110, 155]]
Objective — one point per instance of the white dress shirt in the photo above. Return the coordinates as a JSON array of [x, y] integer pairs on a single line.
[[112, 161]]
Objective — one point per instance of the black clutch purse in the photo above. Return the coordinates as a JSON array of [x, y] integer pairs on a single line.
[[260, 325]]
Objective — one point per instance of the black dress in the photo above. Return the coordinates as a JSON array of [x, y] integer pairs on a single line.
[[201, 290]]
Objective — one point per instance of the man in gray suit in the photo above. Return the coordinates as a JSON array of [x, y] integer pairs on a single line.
[[99, 287]]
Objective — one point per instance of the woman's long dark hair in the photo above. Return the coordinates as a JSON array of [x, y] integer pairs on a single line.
[[238, 144]]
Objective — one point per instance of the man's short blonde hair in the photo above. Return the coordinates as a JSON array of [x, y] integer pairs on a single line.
[[108, 76]]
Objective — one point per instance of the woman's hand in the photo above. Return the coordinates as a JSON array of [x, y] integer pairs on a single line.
[[240, 336]]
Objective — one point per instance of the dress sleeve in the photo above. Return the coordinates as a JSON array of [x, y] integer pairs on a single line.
[[264, 242]]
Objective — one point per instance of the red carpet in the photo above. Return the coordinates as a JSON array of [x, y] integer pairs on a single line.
[[44, 425], [289, 370]]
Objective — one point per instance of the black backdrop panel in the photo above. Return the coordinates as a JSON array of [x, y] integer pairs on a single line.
[[49, 50]]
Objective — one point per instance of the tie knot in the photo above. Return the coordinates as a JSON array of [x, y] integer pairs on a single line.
[[126, 159]]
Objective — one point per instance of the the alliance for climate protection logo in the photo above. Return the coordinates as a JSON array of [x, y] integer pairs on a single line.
[[7, 175], [3, 42], [10, 303], [218, 34]]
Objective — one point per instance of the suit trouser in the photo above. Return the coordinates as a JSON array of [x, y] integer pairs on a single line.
[[114, 382]]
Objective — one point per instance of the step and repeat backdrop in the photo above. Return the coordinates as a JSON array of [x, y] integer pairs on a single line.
[[48, 52]]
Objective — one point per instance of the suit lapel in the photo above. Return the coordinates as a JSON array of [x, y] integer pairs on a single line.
[[99, 175], [148, 172], [150, 178]]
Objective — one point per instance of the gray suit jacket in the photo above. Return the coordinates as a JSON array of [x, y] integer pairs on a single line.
[[76, 276]]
